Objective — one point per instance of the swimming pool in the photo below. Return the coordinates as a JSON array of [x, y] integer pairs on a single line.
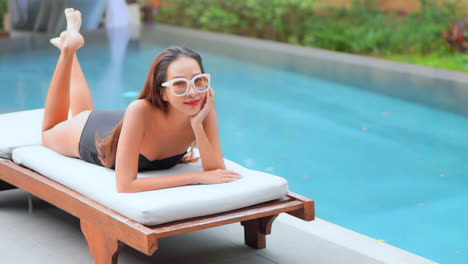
[[390, 166]]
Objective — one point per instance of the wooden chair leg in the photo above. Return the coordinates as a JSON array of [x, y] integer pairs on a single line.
[[255, 231], [102, 247]]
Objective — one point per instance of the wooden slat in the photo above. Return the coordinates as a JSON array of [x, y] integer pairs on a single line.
[[140, 237], [128, 231], [243, 214], [307, 213]]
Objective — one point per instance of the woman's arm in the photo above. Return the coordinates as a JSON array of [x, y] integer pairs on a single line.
[[207, 137], [205, 128], [128, 151]]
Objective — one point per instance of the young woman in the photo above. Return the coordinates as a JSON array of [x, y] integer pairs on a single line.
[[174, 110]]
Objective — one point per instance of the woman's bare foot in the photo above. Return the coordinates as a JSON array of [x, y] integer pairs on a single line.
[[55, 41], [70, 39], [73, 19]]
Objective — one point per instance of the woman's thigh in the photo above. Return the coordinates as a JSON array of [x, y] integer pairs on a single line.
[[64, 137]]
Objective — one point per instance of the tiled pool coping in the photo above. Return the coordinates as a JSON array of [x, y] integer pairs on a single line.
[[356, 242]]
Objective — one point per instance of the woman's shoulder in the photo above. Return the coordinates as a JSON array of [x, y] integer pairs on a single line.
[[139, 105], [141, 109]]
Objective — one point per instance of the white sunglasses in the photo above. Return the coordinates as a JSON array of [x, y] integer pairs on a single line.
[[181, 86]]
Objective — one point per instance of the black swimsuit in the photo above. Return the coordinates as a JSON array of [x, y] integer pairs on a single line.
[[102, 122]]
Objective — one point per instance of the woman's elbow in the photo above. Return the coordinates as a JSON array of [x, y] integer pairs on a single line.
[[125, 188], [220, 166]]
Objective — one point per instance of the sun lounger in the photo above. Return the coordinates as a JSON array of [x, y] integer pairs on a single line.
[[110, 219]]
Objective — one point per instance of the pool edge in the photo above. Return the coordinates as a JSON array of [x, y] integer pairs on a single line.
[[355, 241]]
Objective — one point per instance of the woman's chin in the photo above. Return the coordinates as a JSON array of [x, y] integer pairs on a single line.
[[194, 112], [191, 111]]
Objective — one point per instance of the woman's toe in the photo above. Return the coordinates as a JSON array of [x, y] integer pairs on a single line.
[[55, 42], [69, 11]]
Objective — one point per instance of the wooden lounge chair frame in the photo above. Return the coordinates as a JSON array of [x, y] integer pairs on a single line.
[[106, 231]]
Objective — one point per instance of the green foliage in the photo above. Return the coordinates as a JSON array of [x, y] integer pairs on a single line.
[[273, 19], [362, 29], [3, 10]]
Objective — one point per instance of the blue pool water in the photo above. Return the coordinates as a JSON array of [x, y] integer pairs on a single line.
[[388, 168]]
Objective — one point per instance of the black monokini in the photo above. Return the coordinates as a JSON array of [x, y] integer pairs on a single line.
[[102, 122]]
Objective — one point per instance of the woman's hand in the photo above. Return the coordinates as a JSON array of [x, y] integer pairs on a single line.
[[197, 119], [217, 176]]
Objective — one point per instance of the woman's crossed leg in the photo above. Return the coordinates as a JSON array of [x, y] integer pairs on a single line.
[[68, 91]]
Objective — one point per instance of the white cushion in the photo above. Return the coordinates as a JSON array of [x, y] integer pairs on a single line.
[[152, 207], [160, 206], [21, 128]]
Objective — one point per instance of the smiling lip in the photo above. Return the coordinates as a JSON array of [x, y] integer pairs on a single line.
[[192, 102]]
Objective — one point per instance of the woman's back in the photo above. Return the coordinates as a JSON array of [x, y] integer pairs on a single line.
[[100, 124]]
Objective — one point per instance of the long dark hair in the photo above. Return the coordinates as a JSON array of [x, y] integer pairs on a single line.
[[152, 92]]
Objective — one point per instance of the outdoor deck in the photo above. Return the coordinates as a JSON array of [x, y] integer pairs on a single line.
[[50, 235]]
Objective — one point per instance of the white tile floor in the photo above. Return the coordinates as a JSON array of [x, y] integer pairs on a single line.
[[49, 235]]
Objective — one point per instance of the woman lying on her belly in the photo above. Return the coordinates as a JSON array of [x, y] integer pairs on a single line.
[[174, 110]]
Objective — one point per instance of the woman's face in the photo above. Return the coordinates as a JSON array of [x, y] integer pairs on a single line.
[[192, 102]]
